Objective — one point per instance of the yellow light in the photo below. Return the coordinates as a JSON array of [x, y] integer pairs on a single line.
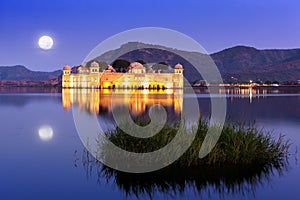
[[169, 85], [125, 82], [145, 84], [145, 91], [169, 91]]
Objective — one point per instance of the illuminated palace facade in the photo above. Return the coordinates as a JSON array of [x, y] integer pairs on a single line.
[[135, 78]]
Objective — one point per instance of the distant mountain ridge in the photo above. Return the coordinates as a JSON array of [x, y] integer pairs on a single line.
[[239, 63], [250, 63], [21, 73]]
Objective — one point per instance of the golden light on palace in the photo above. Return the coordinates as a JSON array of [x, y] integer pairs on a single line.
[[169, 85], [135, 78]]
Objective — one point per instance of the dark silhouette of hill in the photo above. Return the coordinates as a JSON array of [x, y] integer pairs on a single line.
[[21, 73], [241, 62], [247, 63]]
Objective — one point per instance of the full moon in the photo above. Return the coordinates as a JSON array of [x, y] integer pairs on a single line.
[[45, 42], [46, 133]]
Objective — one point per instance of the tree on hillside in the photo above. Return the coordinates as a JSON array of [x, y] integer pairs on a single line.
[[141, 61], [102, 66], [120, 65], [162, 66], [268, 82]]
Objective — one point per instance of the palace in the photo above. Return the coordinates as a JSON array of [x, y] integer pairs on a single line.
[[135, 78]]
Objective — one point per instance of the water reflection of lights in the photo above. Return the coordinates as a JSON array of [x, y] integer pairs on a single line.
[[46, 133], [138, 101], [250, 95]]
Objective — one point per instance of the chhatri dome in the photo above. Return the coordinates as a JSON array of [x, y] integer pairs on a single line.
[[136, 65], [94, 64], [136, 68], [178, 66], [67, 67]]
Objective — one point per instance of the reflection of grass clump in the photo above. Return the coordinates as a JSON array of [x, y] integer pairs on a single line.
[[238, 145], [243, 158]]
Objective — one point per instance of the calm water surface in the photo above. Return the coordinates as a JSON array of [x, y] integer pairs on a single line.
[[36, 164]]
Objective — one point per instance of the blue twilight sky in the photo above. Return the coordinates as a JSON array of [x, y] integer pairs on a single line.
[[78, 26]]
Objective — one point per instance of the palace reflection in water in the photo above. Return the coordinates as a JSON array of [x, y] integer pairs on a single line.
[[102, 102]]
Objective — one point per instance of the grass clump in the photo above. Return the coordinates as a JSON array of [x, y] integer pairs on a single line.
[[239, 144]]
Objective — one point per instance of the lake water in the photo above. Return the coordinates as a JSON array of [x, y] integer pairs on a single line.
[[42, 156]]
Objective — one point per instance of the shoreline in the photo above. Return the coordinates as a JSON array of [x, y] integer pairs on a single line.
[[35, 85], [58, 88]]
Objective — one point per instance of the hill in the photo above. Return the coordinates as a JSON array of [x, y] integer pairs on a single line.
[[247, 63], [20, 76], [241, 62], [21, 73]]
